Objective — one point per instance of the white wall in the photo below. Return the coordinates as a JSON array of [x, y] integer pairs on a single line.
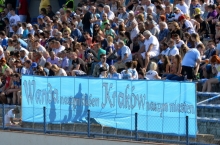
[[16, 138]]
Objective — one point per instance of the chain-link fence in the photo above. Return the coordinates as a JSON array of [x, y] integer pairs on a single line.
[[131, 127]]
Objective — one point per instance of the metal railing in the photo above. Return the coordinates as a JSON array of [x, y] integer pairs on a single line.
[[91, 134]]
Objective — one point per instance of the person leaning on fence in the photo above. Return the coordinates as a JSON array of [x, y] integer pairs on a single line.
[[10, 117]]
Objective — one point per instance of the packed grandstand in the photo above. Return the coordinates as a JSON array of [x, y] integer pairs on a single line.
[[116, 39]]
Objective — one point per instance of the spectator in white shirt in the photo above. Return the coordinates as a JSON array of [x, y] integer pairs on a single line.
[[178, 41], [14, 19], [148, 4], [186, 24], [151, 49], [177, 13], [38, 47], [109, 13], [183, 7], [134, 30], [58, 47]]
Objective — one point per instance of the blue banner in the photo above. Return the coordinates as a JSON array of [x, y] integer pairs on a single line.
[[161, 105]]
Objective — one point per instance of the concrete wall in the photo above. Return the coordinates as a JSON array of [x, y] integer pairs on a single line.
[[11, 138]]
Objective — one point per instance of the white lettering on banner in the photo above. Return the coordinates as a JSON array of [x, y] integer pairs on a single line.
[[112, 98]]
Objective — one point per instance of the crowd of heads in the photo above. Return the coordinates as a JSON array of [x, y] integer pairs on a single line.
[[115, 39]]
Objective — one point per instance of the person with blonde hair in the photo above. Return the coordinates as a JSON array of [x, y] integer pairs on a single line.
[[58, 71], [196, 39], [152, 73]]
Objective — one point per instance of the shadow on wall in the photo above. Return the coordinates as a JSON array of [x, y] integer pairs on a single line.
[[80, 108]]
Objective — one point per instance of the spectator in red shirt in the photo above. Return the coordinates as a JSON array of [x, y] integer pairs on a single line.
[[23, 10]]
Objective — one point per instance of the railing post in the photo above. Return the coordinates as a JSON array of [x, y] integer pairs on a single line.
[[3, 116], [44, 111], [187, 130], [88, 124], [136, 126]]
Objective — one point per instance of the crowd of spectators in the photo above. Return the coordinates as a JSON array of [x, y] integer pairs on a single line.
[[116, 39]]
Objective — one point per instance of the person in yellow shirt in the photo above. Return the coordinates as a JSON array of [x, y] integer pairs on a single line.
[[44, 4]]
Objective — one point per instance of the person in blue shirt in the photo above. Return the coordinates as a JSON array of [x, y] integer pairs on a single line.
[[22, 42], [4, 38], [75, 32], [25, 32], [191, 62]]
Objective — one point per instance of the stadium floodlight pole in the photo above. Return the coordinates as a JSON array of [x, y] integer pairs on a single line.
[[136, 126], [44, 111], [187, 130], [3, 116], [88, 123]]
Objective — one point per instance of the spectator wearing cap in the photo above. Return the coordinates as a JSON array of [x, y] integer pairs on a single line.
[[183, 7], [30, 29], [151, 49], [14, 19], [177, 13], [109, 13], [186, 24], [18, 47], [28, 68], [123, 14]]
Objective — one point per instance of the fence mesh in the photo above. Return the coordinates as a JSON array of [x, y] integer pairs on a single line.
[[115, 127]]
